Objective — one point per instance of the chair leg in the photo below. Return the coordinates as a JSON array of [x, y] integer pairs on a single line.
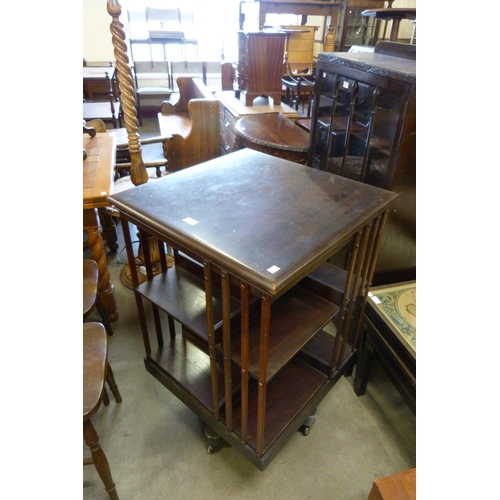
[[110, 379], [105, 397], [99, 459], [104, 315]]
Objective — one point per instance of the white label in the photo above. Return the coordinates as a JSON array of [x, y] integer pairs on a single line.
[[190, 221], [345, 85], [273, 269]]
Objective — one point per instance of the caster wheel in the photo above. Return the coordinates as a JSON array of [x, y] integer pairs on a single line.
[[213, 440], [305, 431]]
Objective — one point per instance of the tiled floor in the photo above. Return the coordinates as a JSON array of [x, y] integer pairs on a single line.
[[157, 449]]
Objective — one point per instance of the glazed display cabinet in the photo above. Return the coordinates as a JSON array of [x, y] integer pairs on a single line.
[[363, 127]]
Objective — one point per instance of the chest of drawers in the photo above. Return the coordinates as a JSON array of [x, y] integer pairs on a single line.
[[260, 64]]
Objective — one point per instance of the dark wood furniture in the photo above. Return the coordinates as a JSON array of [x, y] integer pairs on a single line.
[[273, 134], [252, 290], [260, 65], [232, 109], [363, 126], [400, 486], [389, 336], [392, 14], [95, 353], [250, 10], [299, 89], [98, 171]]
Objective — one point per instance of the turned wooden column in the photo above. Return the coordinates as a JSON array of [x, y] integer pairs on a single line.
[[138, 174]]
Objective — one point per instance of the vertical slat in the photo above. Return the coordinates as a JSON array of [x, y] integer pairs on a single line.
[[226, 348], [135, 282], [145, 240], [164, 269], [343, 312], [207, 270], [355, 290], [245, 318], [380, 223], [265, 320]]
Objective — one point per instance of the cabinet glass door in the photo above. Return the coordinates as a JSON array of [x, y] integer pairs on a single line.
[[356, 128]]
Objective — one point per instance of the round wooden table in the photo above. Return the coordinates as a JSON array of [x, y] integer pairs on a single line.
[[274, 134]]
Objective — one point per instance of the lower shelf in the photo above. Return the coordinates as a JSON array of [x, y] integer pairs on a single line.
[[289, 396], [183, 366]]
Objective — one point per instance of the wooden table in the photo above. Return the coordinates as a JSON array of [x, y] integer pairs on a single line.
[[389, 336], [98, 170], [248, 229], [326, 8], [400, 486], [273, 134], [94, 82], [395, 14]]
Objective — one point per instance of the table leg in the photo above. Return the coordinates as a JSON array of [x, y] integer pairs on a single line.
[[394, 30], [96, 245]]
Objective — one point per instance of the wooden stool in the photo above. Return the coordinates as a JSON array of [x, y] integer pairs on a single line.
[[401, 486], [95, 365]]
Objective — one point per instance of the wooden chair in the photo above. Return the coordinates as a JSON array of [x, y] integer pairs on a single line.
[[108, 111], [95, 367], [159, 70], [91, 299], [152, 149], [299, 89]]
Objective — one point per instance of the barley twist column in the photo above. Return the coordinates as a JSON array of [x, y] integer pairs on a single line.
[[138, 173]]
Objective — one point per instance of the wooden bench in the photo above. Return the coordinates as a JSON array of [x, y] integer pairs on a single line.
[[192, 122]]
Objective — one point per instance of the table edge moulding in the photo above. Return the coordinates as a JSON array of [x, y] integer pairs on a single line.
[[253, 359]]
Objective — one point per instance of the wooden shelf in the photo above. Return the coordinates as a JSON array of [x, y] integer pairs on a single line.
[[295, 318], [287, 395], [182, 295], [183, 366]]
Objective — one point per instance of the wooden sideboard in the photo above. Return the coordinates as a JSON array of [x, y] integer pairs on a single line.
[[232, 108]]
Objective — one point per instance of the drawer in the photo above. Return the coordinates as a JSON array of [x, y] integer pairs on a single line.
[[227, 120], [227, 138]]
